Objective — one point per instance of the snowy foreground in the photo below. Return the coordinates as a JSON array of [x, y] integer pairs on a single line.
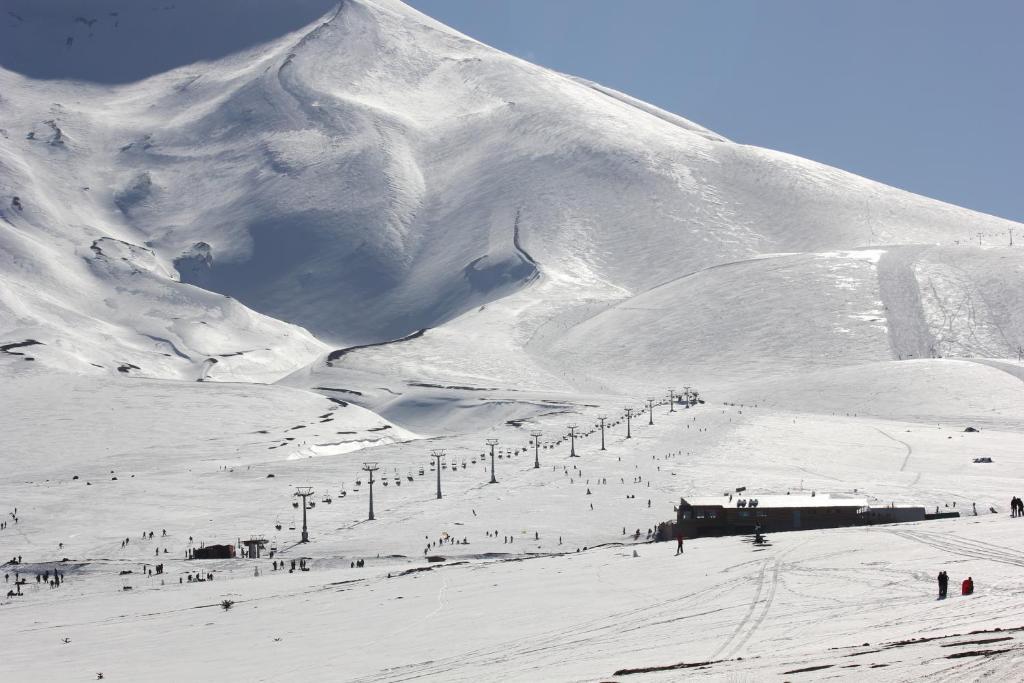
[[849, 603], [856, 604]]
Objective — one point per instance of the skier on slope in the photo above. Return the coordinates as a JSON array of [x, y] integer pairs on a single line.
[[679, 545], [943, 584]]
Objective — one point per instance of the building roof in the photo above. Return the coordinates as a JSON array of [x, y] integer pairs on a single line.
[[802, 500]]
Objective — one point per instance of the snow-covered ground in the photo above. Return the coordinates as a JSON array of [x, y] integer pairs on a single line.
[[255, 259], [857, 604], [565, 599]]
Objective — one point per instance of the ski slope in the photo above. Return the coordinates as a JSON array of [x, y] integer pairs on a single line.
[[246, 248], [567, 583]]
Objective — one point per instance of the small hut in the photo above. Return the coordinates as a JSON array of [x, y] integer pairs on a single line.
[[214, 552]]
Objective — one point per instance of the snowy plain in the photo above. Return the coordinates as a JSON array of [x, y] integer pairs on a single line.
[[258, 258]]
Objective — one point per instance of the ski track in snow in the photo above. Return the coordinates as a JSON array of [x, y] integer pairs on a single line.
[[910, 449], [962, 546]]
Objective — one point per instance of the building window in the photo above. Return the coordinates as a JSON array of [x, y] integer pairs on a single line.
[[700, 514], [687, 514]]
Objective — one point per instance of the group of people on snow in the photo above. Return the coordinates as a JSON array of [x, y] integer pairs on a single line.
[[966, 587]]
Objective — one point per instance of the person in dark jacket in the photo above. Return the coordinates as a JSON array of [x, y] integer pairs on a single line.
[[943, 584]]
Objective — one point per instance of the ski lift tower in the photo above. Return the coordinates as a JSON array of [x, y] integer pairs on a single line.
[[671, 400], [536, 448], [572, 441], [492, 443], [650, 411], [629, 416], [370, 467], [304, 492], [602, 418], [437, 454], [687, 389]]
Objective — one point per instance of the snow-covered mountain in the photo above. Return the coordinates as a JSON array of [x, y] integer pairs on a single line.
[[361, 171], [370, 237]]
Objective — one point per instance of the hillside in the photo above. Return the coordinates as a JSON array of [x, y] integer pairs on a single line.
[[250, 246], [364, 175]]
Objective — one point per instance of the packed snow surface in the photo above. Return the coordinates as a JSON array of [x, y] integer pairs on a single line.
[[247, 247]]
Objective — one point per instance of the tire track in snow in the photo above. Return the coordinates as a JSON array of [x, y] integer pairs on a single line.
[[957, 545]]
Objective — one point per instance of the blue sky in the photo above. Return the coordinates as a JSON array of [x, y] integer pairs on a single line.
[[926, 95]]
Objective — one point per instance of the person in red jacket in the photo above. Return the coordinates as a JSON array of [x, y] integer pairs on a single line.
[[967, 587]]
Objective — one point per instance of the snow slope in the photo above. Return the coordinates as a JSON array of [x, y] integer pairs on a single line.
[[556, 614], [370, 236], [372, 173]]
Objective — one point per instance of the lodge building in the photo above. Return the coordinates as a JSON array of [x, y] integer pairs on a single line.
[[732, 514]]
